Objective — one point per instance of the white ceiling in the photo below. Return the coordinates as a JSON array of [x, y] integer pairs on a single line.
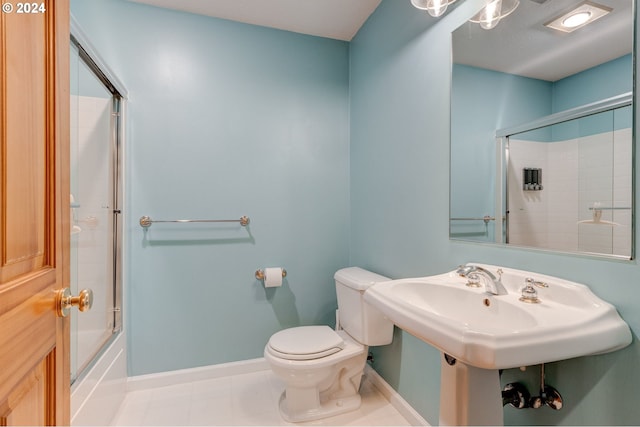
[[521, 44], [335, 19]]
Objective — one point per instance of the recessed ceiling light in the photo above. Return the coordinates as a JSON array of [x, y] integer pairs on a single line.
[[576, 20], [578, 17]]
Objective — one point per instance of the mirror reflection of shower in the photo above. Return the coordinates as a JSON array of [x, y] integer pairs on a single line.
[[94, 201], [585, 203]]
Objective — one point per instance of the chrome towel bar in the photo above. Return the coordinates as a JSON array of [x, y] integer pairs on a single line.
[[601, 208], [485, 218], [146, 221]]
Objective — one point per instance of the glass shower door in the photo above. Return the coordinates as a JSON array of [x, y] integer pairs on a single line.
[[93, 144]]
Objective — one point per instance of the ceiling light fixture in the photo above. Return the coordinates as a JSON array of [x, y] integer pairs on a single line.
[[493, 12], [578, 17], [434, 8], [576, 20]]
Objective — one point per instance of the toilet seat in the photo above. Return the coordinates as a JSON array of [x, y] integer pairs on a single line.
[[305, 343]]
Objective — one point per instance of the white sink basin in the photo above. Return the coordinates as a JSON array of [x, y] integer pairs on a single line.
[[500, 331]]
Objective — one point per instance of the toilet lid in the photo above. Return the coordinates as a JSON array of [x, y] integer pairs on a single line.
[[306, 342]]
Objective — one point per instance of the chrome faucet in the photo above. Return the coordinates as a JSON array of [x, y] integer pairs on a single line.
[[492, 284]]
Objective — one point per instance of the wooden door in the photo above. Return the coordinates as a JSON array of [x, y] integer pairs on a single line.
[[34, 212]]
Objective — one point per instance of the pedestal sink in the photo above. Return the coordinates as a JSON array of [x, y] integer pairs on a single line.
[[482, 333]]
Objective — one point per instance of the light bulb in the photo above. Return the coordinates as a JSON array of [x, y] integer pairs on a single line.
[[492, 14], [420, 4], [576, 20], [437, 7]]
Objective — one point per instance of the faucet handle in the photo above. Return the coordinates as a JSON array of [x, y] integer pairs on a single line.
[[537, 283], [529, 293], [473, 280], [499, 271]]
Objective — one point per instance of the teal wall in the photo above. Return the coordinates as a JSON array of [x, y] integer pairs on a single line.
[[595, 84], [339, 153], [603, 81], [225, 120], [506, 100], [607, 121], [400, 77]]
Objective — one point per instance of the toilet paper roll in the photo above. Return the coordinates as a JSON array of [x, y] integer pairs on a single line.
[[272, 277]]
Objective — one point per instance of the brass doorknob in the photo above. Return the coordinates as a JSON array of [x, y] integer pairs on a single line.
[[64, 301]]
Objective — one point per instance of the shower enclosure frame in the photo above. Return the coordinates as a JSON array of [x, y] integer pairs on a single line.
[[100, 385], [502, 163]]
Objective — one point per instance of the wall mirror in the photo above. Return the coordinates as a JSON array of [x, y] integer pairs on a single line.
[[541, 128]]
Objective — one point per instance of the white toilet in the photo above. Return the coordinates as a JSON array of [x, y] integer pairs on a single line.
[[321, 367]]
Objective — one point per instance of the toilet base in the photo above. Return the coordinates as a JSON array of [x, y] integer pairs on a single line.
[[323, 387], [328, 408]]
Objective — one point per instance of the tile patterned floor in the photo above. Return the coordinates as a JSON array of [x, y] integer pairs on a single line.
[[248, 399]]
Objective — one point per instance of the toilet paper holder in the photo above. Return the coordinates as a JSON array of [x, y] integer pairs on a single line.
[[260, 274]]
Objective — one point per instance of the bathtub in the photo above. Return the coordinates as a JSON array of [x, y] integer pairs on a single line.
[[96, 396]]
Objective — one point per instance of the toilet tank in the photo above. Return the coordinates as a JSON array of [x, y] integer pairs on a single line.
[[360, 320]]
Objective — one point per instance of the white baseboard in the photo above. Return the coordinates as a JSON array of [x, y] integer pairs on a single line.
[[401, 405], [163, 379]]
